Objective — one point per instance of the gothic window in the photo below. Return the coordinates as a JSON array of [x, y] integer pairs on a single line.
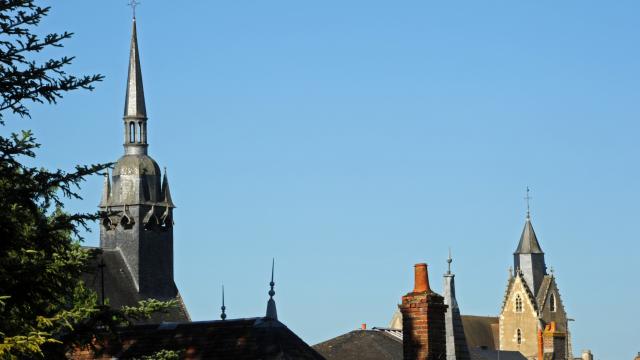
[[519, 336], [140, 131], [518, 303], [132, 132], [552, 303]]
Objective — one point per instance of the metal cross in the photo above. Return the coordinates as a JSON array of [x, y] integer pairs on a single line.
[[133, 4], [527, 198]]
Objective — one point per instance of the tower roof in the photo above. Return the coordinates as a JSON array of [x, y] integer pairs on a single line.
[[528, 241], [134, 106]]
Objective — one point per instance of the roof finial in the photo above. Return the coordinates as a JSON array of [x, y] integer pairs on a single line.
[[449, 260], [528, 198], [133, 4], [223, 316], [272, 313]]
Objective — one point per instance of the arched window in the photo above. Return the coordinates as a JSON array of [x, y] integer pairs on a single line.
[[552, 303], [132, 132], [519, 336], [140, 131], [518, 303]]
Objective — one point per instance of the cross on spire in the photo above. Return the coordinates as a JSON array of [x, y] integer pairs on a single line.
[[133, 4], [528, 198]]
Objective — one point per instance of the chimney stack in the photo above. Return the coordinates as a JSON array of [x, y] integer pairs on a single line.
[[423, 314], [421, 278]]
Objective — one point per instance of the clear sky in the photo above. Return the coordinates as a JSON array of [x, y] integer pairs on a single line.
[[352, 139]]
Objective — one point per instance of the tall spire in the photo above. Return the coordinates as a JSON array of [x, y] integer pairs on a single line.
[[135, 111], [272, 313], [134, 105]]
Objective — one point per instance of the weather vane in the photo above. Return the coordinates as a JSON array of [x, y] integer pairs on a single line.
[[133, 4], [528, 198]]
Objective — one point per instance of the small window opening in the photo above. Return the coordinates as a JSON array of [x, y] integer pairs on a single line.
[[519, 336], [132, 132], [552, 303], [518, 303], [140, 131]]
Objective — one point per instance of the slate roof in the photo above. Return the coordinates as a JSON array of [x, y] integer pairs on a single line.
[[238, 339], [481, 331], [120, 289], [528, 240], [362, 345]]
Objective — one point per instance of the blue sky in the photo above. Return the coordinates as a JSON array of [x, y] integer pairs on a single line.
[[351, 140]]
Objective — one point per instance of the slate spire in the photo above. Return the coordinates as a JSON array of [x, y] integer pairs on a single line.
[[134, 105], [456, 342], [272, 313], [529, 257], [135, 111]]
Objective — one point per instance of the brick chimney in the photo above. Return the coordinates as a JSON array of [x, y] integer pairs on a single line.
[[554, 342], [423, 325]]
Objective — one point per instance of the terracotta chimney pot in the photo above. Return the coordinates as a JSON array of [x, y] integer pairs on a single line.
[[421, 278], [364, 326]]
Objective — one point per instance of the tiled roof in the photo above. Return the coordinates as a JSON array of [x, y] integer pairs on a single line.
[[120, 289], [238, 339]]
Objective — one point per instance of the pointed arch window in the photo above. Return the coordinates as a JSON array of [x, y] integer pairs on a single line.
[[552, 303], [140, 131], [519, 336], [518, 303]]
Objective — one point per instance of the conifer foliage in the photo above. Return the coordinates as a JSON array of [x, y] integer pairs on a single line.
[[44, 307]]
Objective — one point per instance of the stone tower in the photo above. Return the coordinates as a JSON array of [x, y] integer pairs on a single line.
[[532, 311], [136, 207]]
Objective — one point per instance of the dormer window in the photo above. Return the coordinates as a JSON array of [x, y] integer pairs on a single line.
[[552, 303], [518, 303]]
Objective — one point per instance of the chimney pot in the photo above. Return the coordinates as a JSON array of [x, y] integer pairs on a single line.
[[363, 326], [421, 278]]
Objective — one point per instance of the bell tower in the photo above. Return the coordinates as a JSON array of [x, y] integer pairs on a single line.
[[136, 207]]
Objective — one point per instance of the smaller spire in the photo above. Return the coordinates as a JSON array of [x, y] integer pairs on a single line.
[[449, 261], [272, 313], [106, 190], [166, 193], [223, 316]]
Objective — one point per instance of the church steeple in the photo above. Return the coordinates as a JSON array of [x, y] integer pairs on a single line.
[[529, 257], [135, 111]]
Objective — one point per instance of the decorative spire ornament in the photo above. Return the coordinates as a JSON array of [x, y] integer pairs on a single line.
[[272, 313], [223, 316], [449, 261]]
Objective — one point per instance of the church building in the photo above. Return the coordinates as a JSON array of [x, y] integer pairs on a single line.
[[532, 324]]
